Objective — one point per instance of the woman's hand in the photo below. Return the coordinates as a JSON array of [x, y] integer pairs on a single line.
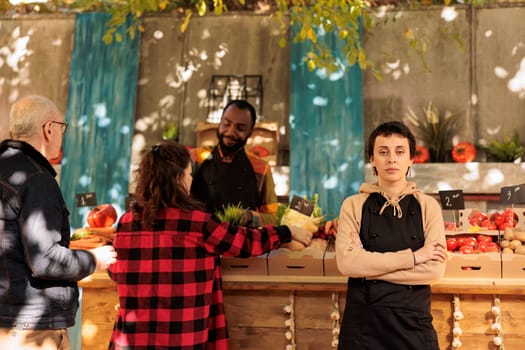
[[430, 251]]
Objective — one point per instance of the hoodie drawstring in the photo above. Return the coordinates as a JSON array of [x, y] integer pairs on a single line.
[[395, 205]]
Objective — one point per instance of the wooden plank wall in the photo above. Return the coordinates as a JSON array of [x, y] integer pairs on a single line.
[[257, 321]]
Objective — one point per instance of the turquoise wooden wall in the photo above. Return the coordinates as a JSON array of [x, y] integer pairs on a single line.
[[100, 111], [326, 129]]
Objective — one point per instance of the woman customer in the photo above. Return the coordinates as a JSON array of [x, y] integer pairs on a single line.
[[167, 272], [391, 245]]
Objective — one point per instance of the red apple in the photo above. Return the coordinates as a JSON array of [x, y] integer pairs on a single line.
[[103, 215]]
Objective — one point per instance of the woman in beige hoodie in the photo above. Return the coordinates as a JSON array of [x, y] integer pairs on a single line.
[[391, 245]]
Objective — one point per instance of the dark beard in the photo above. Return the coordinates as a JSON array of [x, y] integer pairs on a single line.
[[229, 150]]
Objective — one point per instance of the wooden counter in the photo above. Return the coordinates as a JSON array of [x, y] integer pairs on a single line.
[[256, 319]]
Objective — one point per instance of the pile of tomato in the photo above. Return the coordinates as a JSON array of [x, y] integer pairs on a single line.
[[471, 244], [494, 221]]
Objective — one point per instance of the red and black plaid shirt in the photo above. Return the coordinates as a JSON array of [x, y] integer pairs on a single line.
[[169, 281]]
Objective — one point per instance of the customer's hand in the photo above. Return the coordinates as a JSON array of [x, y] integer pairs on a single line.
[[104, 256], [331, 226], [300, 234]]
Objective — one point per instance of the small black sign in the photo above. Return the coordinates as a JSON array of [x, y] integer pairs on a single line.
[[86, 199], [452, 200], [302, 205], [512, 194]]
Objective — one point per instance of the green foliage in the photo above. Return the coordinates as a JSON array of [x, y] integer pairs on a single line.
[[435, 130], [506, 150], [345, 18], [232, 214]]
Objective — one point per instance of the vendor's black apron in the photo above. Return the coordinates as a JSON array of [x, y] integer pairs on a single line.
[[218, 183], [381, 315]]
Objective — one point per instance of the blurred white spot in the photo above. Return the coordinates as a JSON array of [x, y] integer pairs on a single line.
[[158, 34], [500, 72], [494, 177], [124, 129], [406, 68], [449, 13], [393, 65], [204, 56], [320, 101], [84, 180], [488, 33], [474, 99], [517, 83], [56, 42], [331, 182], [396, 74]]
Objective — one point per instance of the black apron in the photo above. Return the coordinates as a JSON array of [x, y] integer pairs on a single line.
[[218, 183], [381, 315]]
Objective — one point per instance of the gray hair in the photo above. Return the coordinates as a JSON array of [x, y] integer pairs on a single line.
[[28, 114]]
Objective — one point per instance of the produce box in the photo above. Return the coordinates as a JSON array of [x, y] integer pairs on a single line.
[[513, 266], [482, 265], [329, 262], [245, 266], [306, 262]]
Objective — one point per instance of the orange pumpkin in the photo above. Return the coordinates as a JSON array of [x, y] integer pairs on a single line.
[[463, 152], [422, 154]]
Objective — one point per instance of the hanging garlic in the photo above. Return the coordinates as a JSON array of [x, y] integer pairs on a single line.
[[335, 315], [289, 323], [497, 326], [457, 331]]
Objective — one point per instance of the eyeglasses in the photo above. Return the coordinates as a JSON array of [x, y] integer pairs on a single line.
[[63, 126]]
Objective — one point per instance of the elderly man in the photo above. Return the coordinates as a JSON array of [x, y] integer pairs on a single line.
[[39, 273]]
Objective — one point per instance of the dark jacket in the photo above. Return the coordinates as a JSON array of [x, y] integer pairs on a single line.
[[38, 272]]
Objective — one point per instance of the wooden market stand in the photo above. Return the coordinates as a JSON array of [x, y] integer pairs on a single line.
[[257, 319]]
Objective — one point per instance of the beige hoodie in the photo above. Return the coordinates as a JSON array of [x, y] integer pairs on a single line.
[[396, 267]]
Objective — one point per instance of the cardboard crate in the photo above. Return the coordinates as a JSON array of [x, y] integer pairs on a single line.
[[306, 262], [483, 265], [513, 266], [329, 262], [245, 266]]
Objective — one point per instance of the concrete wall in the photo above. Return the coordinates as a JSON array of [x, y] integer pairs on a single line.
[[466, 69], [175, 68]]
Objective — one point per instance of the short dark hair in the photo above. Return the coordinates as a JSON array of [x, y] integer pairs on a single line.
[[389, 128], [244, 105]]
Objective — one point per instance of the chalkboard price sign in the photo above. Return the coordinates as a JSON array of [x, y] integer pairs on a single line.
[[86, 199], [452, 200], [512, 194]]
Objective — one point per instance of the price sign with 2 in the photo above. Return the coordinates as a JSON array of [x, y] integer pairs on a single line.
[[452, 200]]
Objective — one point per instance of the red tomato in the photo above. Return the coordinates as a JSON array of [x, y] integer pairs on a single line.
[[484, 238], [470, 242], [422, 154], [492, 247], [496, 218], [463, 152], [103, 215], [465, 249], [461, 241], [482, 246], [452, 244]]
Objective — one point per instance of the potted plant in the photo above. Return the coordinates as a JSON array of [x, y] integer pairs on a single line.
[[435, 129], [509, 149]]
